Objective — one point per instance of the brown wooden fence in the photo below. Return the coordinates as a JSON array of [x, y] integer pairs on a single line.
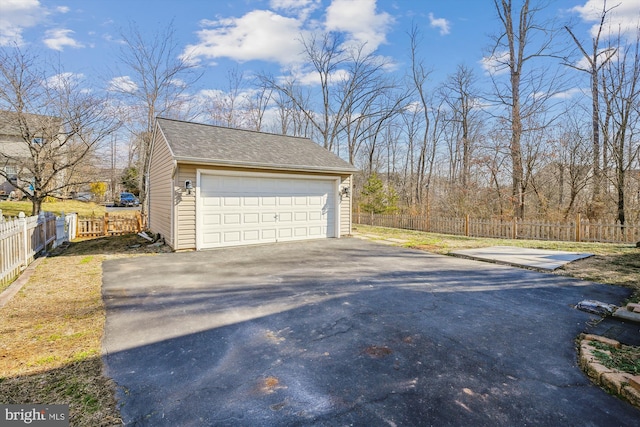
[[109, 225], [578, 230]]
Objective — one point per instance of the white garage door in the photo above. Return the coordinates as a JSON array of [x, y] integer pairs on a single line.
[[249, 209]]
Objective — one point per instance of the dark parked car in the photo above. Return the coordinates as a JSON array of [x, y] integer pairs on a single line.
[[128, 199]]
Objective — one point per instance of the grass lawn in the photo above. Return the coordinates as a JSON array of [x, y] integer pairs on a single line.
[[83, 209], [50, 333]]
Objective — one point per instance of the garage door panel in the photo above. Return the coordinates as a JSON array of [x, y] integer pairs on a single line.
[[211, 201], [236, 210], [251, 218], [251, 235], [211, 238], [285, 217], [232, 219], [231, 201], [231, 236], [213, 219], [284, 201], [268, 217], [285, 233], [269, 234], [315, 231], [252, 201]]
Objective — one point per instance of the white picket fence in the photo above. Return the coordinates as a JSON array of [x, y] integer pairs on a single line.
[[23, 238]]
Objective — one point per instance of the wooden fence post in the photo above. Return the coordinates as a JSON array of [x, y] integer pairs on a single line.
[[578, 227], [514, 229], [466, 225], [139, 218], [106, 223]]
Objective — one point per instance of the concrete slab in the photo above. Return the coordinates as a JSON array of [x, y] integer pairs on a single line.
[[541, 259], [348, 332]]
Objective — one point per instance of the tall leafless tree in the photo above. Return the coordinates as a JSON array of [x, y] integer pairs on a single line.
[[621, 124], [152, 77], [523, 39], [461, 96], [595, 59]]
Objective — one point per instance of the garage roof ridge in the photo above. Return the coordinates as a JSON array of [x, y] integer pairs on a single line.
[[235, 129]]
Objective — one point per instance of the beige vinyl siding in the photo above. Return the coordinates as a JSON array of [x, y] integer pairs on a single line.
[[161, 190], [185, 208], [345, 207]]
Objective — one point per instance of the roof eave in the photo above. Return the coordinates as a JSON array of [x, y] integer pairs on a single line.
[[291, 168]]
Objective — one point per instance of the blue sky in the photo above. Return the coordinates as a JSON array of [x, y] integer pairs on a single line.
[[262, 35]]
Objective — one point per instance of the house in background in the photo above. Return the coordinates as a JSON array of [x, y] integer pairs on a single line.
[[17, 132], [213, 187]]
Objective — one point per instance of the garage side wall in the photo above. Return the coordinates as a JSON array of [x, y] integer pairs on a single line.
[[185, 208], [345, 207], [161, 190]]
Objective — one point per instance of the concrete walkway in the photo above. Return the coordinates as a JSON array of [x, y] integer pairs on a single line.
[[540, 259]]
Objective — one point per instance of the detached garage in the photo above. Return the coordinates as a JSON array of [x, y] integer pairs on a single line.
[[212, 187]]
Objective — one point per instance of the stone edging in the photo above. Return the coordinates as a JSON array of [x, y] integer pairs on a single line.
[[620, 383]]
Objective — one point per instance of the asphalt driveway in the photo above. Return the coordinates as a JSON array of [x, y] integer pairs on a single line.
[[348, 332]]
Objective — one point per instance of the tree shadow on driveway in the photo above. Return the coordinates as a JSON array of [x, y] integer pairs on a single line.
[[344, 331]]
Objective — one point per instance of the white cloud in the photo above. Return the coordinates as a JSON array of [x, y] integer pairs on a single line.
[[58, 38], [300, 8], [606, 53], [258, 35], [360, 21], [15, 16], [63, 9], [122, 84], [440, 23], [623, 16], [570, 93], [312, 78], [496, 64], [63, 80]]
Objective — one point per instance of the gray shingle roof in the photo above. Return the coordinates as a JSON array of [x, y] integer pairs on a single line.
[[207, 144]]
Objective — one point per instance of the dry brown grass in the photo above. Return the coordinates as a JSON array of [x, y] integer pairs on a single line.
[[51, 331]]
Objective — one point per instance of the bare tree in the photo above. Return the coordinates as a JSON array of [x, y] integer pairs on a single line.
[[226, 107], [326, 57], [55, 122], [152, 81], [257, 105], [461, 96], [514, 50], [596, 59], [621, 124], [418, 78]]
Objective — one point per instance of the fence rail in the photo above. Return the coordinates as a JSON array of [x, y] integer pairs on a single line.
[[578, 230], [110, 225]]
